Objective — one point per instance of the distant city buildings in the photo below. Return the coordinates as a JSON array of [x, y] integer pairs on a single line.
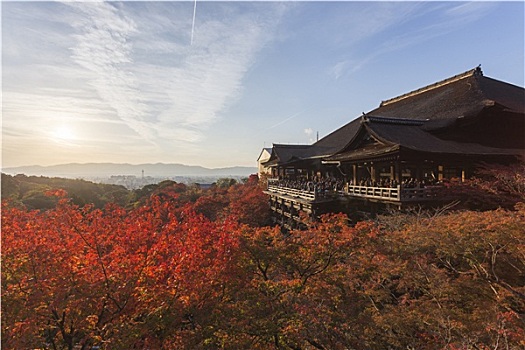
[[135, 182]]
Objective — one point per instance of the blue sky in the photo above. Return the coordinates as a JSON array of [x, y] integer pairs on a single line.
[[147, 82]]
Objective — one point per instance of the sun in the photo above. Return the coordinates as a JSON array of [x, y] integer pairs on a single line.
[[63, 133]]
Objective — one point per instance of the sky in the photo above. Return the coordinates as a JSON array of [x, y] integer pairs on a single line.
[[212, 83]]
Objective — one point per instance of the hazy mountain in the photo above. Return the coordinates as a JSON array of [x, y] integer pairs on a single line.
[[76, 170]]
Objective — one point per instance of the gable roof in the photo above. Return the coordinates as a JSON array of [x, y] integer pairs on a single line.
[[265, 151], [339, 138], [463, 95], [282, 153], [412, 120]]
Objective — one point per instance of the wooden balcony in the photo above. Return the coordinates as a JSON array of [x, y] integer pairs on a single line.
[[383, 194], [303, 195], [397, 194]]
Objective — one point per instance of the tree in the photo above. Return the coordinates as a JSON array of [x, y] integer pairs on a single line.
[[494, 186], [68, 274], [248, 204], [456, 281], [192, 270], [225, 182], [79, 276]]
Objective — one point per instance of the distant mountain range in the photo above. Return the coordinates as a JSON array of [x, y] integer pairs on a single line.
[[90, 170]]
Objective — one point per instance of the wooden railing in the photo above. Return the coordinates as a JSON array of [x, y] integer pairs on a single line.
[[292, 192], [422, 193], [390, 193], [398, 193]]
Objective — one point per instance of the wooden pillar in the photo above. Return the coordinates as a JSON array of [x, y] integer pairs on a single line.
[[399, 172], [373, 172], [354, 170], [392, 172], [418, 173], [440, 172]]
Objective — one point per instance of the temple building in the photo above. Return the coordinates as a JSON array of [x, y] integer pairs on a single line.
[[402, 152], [265, 155]]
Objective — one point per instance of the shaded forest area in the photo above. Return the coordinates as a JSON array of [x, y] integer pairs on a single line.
[[183, 268], [30, 191]]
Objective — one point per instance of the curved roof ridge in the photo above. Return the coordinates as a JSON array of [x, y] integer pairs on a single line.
[[469, 73], [291, 145], [390, 120]]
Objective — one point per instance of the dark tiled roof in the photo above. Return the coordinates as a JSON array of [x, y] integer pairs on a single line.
[[508, 95], [339, 138], [415, 138], [392, 135], [415, 120], [282, 153], [463, 95], [366, 152]]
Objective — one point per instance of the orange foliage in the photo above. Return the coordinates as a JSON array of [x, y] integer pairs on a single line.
[[167, 274]]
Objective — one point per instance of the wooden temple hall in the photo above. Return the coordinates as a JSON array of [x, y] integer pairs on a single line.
[[401, 153]]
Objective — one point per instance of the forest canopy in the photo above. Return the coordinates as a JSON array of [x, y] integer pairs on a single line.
[[175, 266]]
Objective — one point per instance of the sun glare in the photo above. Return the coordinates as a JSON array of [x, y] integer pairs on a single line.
[[64, 133]]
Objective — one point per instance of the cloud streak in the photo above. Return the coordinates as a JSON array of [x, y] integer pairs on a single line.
[[285, 120], [103, 48], [129, 68], [446, 20], [177, 91], [127, 74]]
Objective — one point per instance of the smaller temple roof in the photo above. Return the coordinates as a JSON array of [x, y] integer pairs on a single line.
[[414, 137], [283, 153], [367, 152], [265, 154], [395, 134]]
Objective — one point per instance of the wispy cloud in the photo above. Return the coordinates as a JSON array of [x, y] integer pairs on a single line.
[[185, 87], [309, 132], [131, 65], [366, 21], [464, 13], [209, 77], [103, 47], [339, 69], [446, 18]]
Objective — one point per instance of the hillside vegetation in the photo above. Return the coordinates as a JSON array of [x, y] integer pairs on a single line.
[[184, 268], [30, 191]]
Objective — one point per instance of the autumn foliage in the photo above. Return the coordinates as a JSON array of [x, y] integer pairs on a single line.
[[493, 186], [195, 271]]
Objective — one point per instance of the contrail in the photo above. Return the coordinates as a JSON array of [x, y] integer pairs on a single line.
[[284, 121], [193, 22]]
